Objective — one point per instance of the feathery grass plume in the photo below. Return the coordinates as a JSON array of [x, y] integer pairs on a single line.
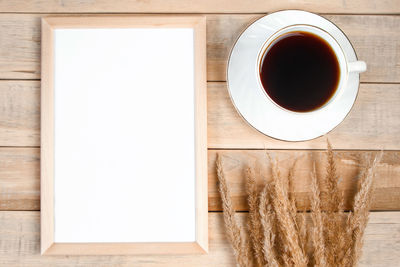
[[285, 237], [292, 201], [286, 260], [316, 216], [293, 207], [281, 248], [334, 232], [332, 182], [303, 232], [358, 219], [266, 219], [287, 227], [254, 222], [235, 232]]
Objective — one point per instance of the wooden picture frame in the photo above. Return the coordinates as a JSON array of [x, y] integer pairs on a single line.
[[49, 246]]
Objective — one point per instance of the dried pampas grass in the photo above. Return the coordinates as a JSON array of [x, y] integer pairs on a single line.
[[254, 223], [317, 234], [267, 218], [280, 235], [236, 234], [287, 228]]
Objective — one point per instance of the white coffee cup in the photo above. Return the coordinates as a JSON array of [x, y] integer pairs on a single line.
[[345, 66], [250, 98]]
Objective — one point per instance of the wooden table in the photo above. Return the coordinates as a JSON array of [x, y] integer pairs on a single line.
[[372, 26]]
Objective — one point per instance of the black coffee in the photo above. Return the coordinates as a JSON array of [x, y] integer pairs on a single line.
[[300, 71]]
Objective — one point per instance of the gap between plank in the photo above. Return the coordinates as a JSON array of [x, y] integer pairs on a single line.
[[199, 13]]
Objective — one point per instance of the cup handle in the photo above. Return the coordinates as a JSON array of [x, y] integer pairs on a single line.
[[357, 66]]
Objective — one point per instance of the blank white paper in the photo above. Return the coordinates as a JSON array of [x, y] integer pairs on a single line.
[[124, 135]]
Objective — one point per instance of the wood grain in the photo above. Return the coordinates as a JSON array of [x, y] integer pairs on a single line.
[[235, 162], [373, 123], [20, 233], [375, 39], [19, 113], [205, 6], [19, 179], [373, 117], [19, 176]]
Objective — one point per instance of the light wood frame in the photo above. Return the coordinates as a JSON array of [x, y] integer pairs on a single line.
[[48, 246]]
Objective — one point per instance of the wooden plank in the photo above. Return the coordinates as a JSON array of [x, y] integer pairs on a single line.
[[205, 6], [380, 32], [19, 176], [387, 183], [20, 233], [374, 38], [20, 113], [20, 45], [19, 179], [374, 117], [373, 123]]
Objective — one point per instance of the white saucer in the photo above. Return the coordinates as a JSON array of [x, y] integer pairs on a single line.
[[250, 99]]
